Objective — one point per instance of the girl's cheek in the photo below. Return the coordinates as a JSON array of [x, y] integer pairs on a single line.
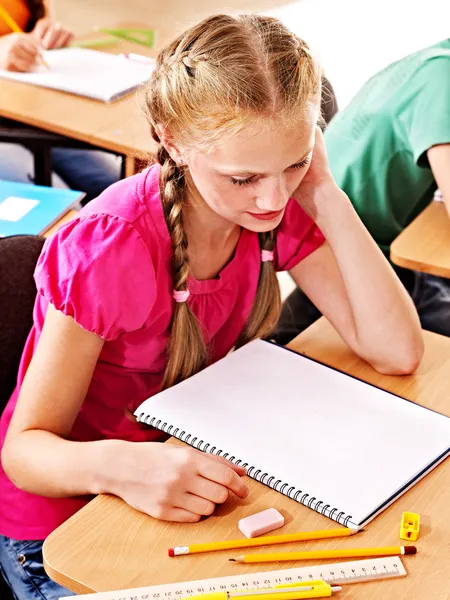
[[294, 180]]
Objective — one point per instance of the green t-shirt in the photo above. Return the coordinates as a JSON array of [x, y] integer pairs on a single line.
[[377, 145]]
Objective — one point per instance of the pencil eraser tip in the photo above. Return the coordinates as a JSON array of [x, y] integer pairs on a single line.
[[410, 550], [171, 552], [261, 523]]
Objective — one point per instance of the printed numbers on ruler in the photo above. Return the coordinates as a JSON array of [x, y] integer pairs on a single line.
[[339, 573]]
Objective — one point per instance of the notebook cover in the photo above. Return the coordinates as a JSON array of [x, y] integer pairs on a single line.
[[27, 209]]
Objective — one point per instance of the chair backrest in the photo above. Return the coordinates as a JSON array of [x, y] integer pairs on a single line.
[[329, 105], [18, 257]]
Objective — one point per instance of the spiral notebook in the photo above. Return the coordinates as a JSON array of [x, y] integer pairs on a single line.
[[338, 445]]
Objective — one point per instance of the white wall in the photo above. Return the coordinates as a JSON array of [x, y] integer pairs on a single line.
[[355, 38]]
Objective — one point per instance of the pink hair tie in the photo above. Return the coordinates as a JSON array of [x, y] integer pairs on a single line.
[[181, 295], [266, 255]]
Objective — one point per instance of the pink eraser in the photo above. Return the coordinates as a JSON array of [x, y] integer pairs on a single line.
[[261, 523]]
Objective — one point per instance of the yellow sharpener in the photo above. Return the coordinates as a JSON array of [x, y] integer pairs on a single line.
[[409, 527]]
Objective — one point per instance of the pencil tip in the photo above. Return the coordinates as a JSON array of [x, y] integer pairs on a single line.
[[354, 531]]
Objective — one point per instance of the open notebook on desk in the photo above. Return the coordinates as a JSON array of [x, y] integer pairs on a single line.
[[97, 75], [336, 444], [32, 209]]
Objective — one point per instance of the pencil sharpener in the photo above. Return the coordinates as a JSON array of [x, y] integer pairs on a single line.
[[409, 527]]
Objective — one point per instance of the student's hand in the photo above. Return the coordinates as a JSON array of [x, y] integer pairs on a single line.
[[51, 35], [318, 178], [174, 483], [20, 52]]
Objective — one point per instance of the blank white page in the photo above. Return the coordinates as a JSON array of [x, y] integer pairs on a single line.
[[85, 72], [335, 438]]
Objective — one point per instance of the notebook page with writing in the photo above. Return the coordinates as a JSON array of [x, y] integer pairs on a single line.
[[324, 438], [98, 75]]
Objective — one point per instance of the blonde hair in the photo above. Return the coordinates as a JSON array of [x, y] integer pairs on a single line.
[[214, 78]]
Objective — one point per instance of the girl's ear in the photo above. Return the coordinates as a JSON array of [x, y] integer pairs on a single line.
[[169, 144]]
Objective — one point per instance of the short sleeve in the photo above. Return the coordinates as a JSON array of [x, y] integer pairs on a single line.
[[427, 116], [98, 270], [297, 237]]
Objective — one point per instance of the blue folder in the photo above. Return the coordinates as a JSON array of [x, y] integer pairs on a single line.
[[32, 209]]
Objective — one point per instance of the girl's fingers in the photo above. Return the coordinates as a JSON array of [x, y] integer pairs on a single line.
[[50, 38], [195, 504], [241, 471], [18, 66], [56, 37], [27, 47], [179, 515], [22, 60], [204, 488], [65, 37], [223, 473], [42, 28]]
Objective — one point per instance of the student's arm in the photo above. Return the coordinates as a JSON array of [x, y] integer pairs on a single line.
[[439, 159], [167, 482], [351, 282]]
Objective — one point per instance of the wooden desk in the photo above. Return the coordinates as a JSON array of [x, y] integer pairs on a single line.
[[425, 244], [67, 217], [108, 545]]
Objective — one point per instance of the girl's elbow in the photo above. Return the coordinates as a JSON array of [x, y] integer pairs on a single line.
[[10, 459], [7, 460], [406, 359]]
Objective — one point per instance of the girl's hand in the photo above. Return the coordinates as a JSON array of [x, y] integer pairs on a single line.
[[173, 483], [20, 52], [318, 178], [51, 35]]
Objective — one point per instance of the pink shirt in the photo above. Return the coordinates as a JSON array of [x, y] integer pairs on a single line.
[[110, 270]]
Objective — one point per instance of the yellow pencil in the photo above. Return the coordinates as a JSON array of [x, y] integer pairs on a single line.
[[317, 555], [11, 23], [266, 540]]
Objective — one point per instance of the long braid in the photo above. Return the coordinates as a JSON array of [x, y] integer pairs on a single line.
[[187, 353], [267, 305]]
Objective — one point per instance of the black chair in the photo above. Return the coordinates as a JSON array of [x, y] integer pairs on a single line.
[[18, 257], [329, 105], [40, 144]]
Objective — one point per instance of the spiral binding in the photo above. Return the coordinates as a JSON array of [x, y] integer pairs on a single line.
[[257, 474]]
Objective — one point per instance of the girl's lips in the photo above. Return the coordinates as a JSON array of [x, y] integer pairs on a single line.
[[268, 216]]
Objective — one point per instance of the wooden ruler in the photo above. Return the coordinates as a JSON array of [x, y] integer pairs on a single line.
[[339, 573]]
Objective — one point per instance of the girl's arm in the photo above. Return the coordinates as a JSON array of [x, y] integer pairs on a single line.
[[165, 481], [36, 455], [351, 282]]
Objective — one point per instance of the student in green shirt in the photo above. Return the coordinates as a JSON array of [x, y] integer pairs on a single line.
[[389, 150]]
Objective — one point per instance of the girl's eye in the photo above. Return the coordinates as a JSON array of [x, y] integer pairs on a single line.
[[299, 165], [241, 181], [302, 164]]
